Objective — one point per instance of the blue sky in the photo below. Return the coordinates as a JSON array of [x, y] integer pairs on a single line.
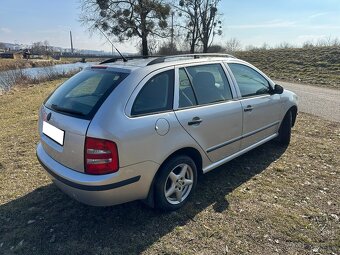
[[252, 22], [276, 21]]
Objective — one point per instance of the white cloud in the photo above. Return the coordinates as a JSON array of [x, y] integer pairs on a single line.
[[5, 30], [304, 38], [284, 24], [270, 24], [323, 26], [316, 15]]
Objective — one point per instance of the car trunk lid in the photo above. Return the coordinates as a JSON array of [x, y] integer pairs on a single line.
[[66, 114], [63, 138]]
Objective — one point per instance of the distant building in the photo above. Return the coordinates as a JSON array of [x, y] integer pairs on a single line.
[[12, 54]]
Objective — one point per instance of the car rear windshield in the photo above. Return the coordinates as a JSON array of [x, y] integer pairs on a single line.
[[82, 95]]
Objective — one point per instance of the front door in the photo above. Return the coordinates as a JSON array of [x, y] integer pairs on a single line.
[[206, 110], [261, 108]]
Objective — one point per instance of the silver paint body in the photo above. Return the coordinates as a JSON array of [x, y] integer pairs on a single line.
[[145, 142]]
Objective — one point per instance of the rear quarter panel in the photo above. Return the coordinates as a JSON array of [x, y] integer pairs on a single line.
[[136, 137]]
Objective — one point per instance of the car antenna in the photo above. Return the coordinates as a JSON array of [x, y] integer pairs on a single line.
[[124, 59]]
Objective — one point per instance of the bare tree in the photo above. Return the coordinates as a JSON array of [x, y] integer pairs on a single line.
[[2, 45], [265, 46], [209, 25], [201, 22], [189, 9], [215, 48], [328, 42], [251, 48], [308, 44], [41, 48], [168, 49], [233, 45], [284, 45], [127, 19], [153, 45]]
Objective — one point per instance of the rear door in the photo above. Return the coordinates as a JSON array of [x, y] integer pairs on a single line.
[[205, 108], [261, 108], [67, 113]]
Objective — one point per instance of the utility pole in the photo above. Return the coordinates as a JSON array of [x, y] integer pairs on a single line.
[[71, 42]]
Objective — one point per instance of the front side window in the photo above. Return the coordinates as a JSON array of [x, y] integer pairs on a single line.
[[204, 84], [156, 95], [249, 81]]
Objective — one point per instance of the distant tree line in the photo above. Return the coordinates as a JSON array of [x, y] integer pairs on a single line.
[[37, 48], [41, 48], [322, 42]]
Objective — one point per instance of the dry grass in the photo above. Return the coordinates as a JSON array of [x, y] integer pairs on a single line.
[[19, 78], [74, 59], [270, 201], [11, 64], [314, 66]]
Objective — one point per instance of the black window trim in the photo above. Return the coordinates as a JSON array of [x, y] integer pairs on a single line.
[[150, 113], [192, 87], [207, 104]]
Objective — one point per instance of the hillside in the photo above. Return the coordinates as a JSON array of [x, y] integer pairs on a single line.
[[314, 66]]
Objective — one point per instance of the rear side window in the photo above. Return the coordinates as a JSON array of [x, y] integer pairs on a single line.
[[249, 81], [83, 94], [209, 83], [156, 95]]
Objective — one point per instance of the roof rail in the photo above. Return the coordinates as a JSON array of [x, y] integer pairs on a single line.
[[114, 59], [162, 59]]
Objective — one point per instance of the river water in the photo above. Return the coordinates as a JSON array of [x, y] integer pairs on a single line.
[[11, 77]]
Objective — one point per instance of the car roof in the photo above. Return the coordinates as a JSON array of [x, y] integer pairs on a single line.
[[155, 62]]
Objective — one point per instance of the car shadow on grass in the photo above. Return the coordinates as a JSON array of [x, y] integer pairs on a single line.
[[46, 221]]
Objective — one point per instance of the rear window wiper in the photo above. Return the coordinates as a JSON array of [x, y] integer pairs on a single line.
[[66, 110]]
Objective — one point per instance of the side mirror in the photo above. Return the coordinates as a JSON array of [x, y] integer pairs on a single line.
[[278, 89]]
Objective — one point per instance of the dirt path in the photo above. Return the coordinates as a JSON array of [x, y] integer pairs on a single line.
[[321, 102]]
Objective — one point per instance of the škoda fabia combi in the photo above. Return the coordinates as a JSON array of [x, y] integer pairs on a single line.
[[143, 129]]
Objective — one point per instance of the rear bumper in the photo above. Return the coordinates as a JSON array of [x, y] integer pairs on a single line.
[[128, 184]]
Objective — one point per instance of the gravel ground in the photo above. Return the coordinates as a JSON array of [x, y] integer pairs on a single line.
[[322, 102]]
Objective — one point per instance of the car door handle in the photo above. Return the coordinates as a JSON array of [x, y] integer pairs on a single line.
[[249, 108], [195, 121]]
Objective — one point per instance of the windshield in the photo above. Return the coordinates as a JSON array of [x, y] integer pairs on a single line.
[[83, 94]]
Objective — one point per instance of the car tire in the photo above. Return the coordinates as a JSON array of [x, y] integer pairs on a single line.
[[285, 129], [175, 183]]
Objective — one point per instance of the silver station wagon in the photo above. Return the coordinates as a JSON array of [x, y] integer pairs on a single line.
[[144, 129]]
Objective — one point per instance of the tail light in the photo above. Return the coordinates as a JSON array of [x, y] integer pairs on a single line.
[[101, 156]]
